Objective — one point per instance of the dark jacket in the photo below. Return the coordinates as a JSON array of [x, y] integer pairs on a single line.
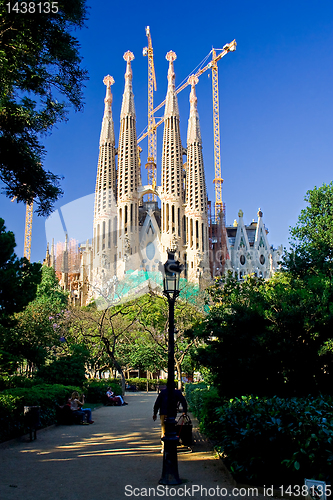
[[161, 402]]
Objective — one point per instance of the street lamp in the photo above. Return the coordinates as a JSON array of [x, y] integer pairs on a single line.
[[172, 270]]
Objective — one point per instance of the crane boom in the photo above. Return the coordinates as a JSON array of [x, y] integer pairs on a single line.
[[229, 47], [151, 132]]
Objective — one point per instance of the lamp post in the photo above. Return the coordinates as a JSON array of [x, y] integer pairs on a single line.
[[172, 270]]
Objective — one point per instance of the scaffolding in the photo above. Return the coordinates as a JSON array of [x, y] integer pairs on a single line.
[[218, 249]]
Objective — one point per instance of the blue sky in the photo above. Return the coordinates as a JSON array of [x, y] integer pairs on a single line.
[[276, 105]]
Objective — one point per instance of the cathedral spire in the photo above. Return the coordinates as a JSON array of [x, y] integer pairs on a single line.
[[105, 224], [193, 131], [172, 171], [196, 195], [107, 131], [105, 190], [129, 177], [127, 108], [171, 102]]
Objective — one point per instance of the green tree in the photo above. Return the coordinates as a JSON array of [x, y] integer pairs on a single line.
[[154, 321], [18, 277], [312, 238], [40, 62], [269, 337], [106, 331], [18, 285], [146, 355], [36, 332]]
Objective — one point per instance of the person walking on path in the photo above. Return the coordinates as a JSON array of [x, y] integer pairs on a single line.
[[161, 405]]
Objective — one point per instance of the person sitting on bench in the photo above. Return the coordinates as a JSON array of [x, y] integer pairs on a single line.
[[76, 406], [112, 398]]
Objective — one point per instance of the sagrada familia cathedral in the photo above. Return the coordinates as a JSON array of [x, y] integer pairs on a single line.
[[131, 236]]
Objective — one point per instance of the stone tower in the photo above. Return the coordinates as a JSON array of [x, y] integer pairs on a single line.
[[105, 211], [129, 179], [172, 175], [196, 222]]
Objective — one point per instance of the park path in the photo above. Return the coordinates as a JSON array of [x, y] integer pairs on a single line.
[[117, 457]]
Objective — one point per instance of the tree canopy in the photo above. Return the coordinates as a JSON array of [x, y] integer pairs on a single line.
[[34, 333], [312, 238], [269, 337], [40, 64], [18, 277], [274, 337]]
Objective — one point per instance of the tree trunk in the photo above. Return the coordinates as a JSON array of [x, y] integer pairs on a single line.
[[179, 374], [123, 380]]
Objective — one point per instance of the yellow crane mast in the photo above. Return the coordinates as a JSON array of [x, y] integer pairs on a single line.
[[28, 230], [151, 132], [218, 181]]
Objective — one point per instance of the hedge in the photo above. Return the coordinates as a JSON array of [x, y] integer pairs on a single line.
[[12, 402], [272, 441], [141, 383], [95, 389]]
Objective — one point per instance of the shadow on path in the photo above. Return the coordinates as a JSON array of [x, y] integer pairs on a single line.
[[117, 457]]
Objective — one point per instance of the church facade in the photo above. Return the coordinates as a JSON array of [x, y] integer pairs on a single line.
[[131, 235]]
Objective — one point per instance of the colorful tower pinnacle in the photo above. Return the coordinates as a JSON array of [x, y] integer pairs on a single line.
[[105, 222], [196, 194], [172, 175], [129, 177]]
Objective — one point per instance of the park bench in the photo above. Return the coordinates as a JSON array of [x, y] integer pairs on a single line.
[[65, 416], [31, 419], [111, 401], [131, 388]]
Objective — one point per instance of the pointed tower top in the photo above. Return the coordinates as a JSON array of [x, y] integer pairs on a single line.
[[107, 131], [193, 80], [108, 81], [171, 56], [128, 57], [127, 108], [193, 132], [171, 104], [260, 214]]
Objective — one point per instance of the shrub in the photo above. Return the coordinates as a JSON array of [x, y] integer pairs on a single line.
[[67, 370], [268, 440], [10, 381], [95, 389], [12, 402], [203, 402], [141, 383], [277, 440]]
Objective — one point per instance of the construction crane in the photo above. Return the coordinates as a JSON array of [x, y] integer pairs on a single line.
[[151, 132], [28, 230], [218, 181], [229, 47]]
